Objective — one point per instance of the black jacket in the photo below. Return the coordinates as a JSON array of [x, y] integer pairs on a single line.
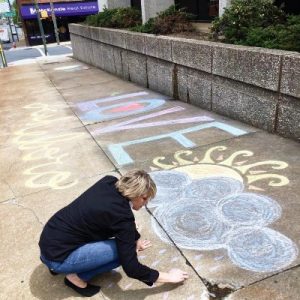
[[98, 214]]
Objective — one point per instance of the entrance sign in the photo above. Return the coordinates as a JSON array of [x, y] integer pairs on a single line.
[[62, 9]]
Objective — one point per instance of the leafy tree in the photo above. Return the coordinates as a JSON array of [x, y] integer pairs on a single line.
[[16, 18]]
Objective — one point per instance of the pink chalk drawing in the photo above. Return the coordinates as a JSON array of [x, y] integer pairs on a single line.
[[129, 107], [133, 123]]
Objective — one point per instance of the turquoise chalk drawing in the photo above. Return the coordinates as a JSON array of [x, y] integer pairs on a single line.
[[123, 158]]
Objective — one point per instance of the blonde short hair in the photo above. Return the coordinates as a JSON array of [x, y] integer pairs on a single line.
[[136, 183]]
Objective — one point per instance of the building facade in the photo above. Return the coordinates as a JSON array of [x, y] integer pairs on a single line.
[[70, 11], [203, 10], [66, 12]]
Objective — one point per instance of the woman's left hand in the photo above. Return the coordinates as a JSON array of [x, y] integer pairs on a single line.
[[142, 245]]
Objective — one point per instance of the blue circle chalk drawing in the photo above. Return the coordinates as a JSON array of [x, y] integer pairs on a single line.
[[248, 209], [213, 188], [261, 249], [201, 210], [170, 186], [191, 225]]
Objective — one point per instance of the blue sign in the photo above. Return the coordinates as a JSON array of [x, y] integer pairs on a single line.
[[62, 9]]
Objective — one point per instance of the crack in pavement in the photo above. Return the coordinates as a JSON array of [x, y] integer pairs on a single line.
[[214, 291], [16, 203], [268, 277]]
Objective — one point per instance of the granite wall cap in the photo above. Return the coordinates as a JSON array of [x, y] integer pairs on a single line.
[[290, 79], [192, 53], [118, 37], [158, 46], [78, 29], [135, 41], [104, 36], [81, 30], [95, 33], [257, 66]]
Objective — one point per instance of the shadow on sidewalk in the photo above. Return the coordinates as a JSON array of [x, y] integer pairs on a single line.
[[47, 287]]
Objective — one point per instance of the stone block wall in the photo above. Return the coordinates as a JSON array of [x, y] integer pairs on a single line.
[[260, 87]]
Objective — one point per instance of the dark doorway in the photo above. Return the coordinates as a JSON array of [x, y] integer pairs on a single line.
[[136, 4], [203, 10], [33, 30], [289, 6]]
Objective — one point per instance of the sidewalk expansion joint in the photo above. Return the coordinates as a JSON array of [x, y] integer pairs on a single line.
[[32, 211], [83, 125], [268, 277], [10, 200], [214, 291], [217, 143]]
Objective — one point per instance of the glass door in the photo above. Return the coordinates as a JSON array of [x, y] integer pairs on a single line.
[[203, 10]]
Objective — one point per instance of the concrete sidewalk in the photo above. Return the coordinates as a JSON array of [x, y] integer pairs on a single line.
[[228, 203]]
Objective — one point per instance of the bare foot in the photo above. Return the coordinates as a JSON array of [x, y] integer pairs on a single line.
[[76, 280]]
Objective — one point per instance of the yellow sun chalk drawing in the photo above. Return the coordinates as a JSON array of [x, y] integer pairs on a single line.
[[209, 170], [207, 157], [158, 163], [182, 161], [229, 161], [277, 165], [186, 161]]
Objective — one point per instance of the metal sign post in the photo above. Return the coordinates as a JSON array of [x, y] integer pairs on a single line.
[[10, 15], [2, 55], [54, 22], [41, 26]]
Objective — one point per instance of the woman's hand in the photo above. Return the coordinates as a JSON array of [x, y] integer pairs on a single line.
[[176, 275], [142, 245], [173, 276]]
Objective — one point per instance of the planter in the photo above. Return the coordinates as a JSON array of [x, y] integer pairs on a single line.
[[258, 86]]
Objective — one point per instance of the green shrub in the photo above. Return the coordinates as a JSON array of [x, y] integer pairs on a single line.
[[116, 18], [16, 17], [243, 15], [148, 27], [281, 36], [169, 21], [258, 23]]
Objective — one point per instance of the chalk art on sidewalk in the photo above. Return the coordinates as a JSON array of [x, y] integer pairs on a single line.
[[71, 68], [204, 205], [42, 150], [120, 110], [148, 106]]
